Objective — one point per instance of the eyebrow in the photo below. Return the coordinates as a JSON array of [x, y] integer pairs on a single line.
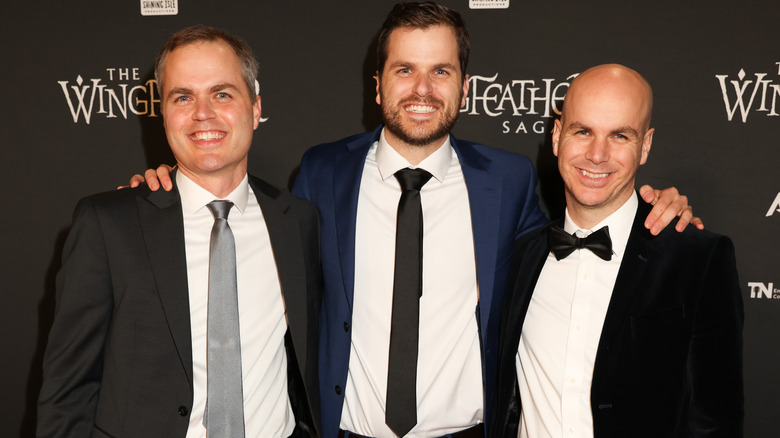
[[626, 130], [443, 65], [214, 89]]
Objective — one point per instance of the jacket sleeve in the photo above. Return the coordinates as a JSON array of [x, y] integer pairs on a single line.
[[73, 361], [715, 360]]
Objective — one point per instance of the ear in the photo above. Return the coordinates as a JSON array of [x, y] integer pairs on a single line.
[[465, 91], [556, 135], [647, 142], [257, 110], [378, 97]]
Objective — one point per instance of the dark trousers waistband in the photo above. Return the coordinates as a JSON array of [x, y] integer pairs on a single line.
[[477, 431]]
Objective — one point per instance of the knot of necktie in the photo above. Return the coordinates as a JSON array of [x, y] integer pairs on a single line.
[[412, 179], [219, 209], [562, 243]]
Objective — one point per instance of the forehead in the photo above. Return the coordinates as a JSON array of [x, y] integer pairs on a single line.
[[606, 105], [201, 61], [432, 45]]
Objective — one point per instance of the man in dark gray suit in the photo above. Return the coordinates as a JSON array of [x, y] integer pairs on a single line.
[[127, 354]]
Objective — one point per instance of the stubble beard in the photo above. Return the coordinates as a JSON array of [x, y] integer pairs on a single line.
[[417, 135]]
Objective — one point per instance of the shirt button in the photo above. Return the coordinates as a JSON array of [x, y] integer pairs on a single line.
[[183, 411], [573, 380], [584, 276], [578, 327], [338, 390]]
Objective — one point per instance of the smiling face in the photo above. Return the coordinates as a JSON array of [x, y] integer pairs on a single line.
[[601, 140], [208, 112], [421, 87]]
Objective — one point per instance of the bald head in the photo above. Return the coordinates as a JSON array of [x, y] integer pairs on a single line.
[[612, 82], [602, 138]]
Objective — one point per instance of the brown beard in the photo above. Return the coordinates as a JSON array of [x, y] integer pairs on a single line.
[[391, 116]]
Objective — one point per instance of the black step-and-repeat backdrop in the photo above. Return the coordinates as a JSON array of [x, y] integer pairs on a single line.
[[81, 114]]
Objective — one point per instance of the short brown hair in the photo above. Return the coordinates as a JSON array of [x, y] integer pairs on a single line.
[[422, 16], [198, 33]]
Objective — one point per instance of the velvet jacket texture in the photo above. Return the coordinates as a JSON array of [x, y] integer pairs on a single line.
[[669, 360]]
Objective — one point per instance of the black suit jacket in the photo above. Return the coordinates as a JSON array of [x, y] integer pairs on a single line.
[[669, 360], [119, 356]]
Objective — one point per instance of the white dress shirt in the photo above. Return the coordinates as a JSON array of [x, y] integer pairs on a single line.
[[267, 410], [561, 333], [449, 370]]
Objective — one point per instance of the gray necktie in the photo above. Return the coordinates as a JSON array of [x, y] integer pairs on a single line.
[[224, 417]]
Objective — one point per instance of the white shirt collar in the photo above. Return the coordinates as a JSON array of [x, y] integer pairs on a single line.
[[389, 161], [619, 222], [195, 197]]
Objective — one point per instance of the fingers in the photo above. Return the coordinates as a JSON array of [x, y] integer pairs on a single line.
[[163, 173], [667, 205], [136, 180], [648, 194], [151, 180]]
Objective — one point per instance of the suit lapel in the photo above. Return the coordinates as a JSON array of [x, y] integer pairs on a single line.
[[531, 260], [288, 255], [348, 171], [630, 279], [162, 226], [484, 192]]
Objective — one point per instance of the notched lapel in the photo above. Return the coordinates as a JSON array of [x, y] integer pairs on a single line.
[[347, 173], [288, 255], [484, 192], [162, 226], [630, 281]]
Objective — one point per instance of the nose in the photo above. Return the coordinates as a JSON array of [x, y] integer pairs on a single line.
[[203, 110], [598, 150], [422, 85]]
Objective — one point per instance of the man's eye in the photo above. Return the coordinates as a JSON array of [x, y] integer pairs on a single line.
[[222, 95], [405, 71], [182, 99], [441, 72]]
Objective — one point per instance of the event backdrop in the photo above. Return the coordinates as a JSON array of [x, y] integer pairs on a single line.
[[81, 114]]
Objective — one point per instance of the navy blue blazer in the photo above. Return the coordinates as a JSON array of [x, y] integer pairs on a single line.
[[669, 360], [501, 189]]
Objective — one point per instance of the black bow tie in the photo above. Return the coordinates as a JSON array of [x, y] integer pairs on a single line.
[[562, 243]]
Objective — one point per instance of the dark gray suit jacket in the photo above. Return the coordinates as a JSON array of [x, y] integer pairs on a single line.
[[119, 356]]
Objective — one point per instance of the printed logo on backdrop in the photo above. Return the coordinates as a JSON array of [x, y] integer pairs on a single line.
[[759, 290], [775, 207], [119, 94], [159, 7], [488, 4], [523, 106], [751, 93]]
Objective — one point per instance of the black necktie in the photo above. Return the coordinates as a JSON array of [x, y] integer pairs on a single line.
[[401, 408], [562, 243]]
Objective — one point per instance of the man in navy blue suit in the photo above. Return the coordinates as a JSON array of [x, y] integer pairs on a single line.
[[476, 203]]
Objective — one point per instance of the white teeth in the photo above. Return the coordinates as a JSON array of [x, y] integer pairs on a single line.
[[593, 175], [421, 109], [207, 135]]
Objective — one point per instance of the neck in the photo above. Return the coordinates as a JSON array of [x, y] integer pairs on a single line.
[[586, 217], [414, 154], [219, 185]]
